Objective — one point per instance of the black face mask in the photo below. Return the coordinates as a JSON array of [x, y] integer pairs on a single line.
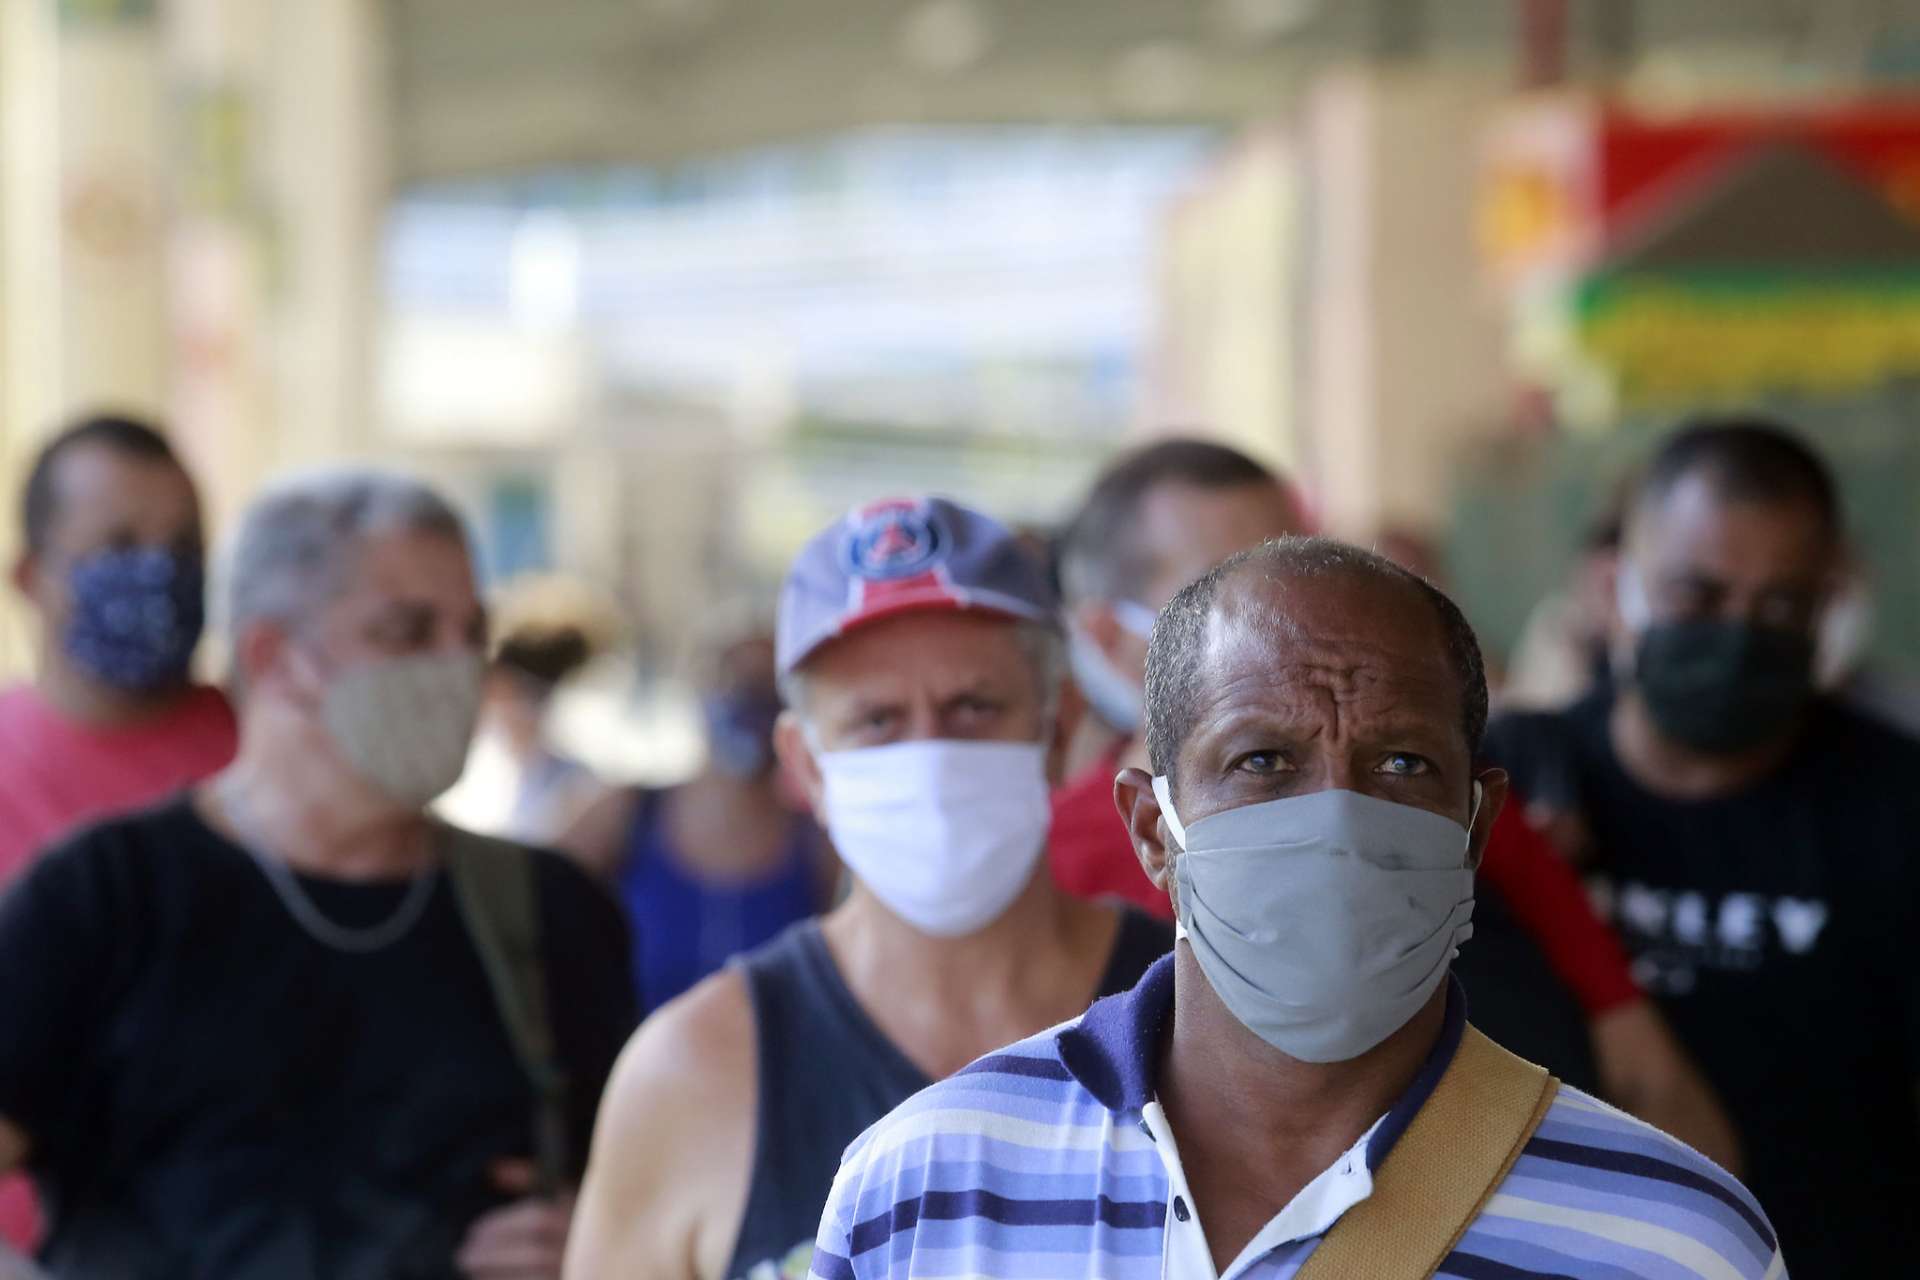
[[1723, 687]]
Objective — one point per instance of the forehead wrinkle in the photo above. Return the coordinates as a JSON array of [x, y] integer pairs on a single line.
[[1272, 645], [1259, 651]]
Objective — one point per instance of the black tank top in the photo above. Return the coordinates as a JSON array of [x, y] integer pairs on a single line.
[[827, 1073]]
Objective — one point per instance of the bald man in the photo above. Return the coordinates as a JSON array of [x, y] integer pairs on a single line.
[[1296, 1090]]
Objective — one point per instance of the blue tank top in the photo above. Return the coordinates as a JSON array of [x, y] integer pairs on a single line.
[[686, 927]]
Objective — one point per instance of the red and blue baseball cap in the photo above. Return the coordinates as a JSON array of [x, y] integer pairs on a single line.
[[905, 555]]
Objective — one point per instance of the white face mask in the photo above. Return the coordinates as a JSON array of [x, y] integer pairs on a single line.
[[945, 833], [1324, 921], [404, 724], [1845, 635], [1113, 697]]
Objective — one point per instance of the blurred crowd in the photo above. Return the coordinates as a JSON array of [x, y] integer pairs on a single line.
[[269, 1015]]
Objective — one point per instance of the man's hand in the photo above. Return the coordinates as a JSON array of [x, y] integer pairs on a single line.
[[13, 1146], [1644, 1070], [525, 1240]]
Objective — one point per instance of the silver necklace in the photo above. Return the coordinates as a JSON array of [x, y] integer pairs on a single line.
[[286, 887]]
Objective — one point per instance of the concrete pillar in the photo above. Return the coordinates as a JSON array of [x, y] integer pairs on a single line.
[[82, 233], [217, 241], [111, 239], [190, 212], [328, 179], [1407, 357]]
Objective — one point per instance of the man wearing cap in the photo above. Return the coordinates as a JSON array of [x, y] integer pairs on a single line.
[[920, 662], [1295, 1092]]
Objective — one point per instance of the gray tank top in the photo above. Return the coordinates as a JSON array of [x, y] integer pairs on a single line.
[[827, 1073]]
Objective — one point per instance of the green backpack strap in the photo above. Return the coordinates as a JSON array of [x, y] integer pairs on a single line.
[[496, 887]]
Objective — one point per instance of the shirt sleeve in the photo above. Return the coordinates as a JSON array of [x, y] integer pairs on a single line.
[[1548, 901], [833, 1243]]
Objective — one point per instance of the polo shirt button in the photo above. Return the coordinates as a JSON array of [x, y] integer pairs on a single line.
[[1180, 1209]]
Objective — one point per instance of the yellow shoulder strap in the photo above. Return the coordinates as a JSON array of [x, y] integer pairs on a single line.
[[1441, 1171]]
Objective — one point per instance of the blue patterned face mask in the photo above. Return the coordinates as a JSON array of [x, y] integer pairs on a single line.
[[740, 730], [137, 616]]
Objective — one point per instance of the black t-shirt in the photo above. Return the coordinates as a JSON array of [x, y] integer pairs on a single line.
[[1776, 928], [209, 1091]]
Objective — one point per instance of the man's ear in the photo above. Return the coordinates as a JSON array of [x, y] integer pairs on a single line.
[[1140, 810], [259, 651], [25, 574], [1493, 798], [797, 760]]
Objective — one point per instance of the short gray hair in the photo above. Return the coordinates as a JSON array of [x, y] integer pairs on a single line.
[[1042, 644], [296, 544], [1180, 634]]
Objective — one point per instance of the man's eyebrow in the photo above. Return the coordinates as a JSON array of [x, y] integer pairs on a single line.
[[1413, 724], [402, 610], [980, 684], [863, 704]]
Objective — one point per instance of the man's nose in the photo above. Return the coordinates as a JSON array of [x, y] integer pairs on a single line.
[[923, 723], [1331, 771]]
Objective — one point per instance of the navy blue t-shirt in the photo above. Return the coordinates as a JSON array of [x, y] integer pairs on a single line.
[[209, 1091]]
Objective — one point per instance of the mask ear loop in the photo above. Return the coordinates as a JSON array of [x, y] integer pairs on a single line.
[[1164, 794], [1135, 618], [1479, 794]]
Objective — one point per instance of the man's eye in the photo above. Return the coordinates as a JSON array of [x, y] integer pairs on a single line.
[[1263, 762], [1404, 764]]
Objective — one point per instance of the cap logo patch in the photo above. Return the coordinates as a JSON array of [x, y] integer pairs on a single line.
[[898, 542]]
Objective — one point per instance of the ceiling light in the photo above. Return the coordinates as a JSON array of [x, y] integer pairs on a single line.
[[1261, 21], [1162, 77], [946, 36]]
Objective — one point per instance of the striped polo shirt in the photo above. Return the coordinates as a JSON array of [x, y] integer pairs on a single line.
[[1041, 1162]]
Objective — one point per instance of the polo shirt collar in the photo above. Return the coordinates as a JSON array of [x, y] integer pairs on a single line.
[[1113, 1051]]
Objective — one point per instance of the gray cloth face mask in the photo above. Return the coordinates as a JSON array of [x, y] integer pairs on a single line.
[[1325, 921]]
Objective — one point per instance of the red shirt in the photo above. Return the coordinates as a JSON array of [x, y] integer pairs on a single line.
[[1093, 858], [56, 775], [1088, 845]]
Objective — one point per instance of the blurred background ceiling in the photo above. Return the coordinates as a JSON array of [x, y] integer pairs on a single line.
[[492, 86]]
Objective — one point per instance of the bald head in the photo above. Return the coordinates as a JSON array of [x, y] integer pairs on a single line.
[[1341, 624]]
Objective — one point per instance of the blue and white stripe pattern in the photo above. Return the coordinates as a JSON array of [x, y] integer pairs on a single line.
[[1034, 1164]]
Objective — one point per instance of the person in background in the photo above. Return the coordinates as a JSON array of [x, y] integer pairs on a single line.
[[1755, 838], [254, 1033], [113, 564], [1566, 645], [1547, 976], [1296, 1089], [551, 790], [918, 653], [724, 862]]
